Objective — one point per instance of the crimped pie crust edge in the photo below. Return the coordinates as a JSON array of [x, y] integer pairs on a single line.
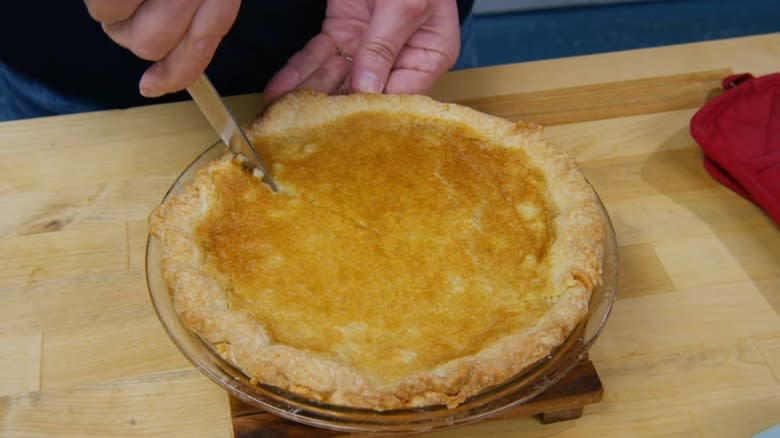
[[575, 257]]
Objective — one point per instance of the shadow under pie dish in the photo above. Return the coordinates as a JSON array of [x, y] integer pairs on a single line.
[[418, 254]]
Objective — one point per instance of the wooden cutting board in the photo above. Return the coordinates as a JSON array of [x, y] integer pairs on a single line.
[[691, 349]]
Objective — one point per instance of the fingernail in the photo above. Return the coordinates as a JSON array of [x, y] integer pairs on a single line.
[[147, 90], [368, 83]]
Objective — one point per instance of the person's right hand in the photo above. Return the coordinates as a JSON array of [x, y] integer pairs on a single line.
[[180, 35]]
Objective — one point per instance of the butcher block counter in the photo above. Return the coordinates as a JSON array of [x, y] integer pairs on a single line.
[[692, 347]]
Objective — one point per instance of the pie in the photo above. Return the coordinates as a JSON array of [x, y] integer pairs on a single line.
[[416, 254]]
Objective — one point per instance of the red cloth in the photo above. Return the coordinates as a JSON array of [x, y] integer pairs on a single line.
[[739, 132]]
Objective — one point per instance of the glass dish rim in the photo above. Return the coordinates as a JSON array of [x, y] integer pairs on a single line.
[[490, 402]]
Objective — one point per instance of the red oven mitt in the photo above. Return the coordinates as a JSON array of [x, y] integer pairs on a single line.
[[739, 132]]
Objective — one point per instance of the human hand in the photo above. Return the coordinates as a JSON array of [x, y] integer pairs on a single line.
[[180, 35], [393, 46]]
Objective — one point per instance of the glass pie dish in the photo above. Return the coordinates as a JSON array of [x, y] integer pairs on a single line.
[[521, 388]]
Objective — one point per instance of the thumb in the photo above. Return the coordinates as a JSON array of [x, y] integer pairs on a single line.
[[392, 24]]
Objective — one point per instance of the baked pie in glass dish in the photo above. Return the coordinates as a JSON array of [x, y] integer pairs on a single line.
[[423, 264]]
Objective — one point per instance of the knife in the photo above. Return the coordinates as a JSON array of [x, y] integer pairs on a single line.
[[211, 105]]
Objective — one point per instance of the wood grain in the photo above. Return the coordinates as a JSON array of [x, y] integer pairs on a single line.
[[757, 54], [736, 418], [683, 377], [642, 176], [625, 136], [597, 421], [695, 319], [769, 347], [728, 257], [604, 100], [89, 300], [95, 164], [47, 256], [262, 425], [660, 218], [641, 272], [137, 233], [769, 288], [21, 363], [126, 348], [155, 405]]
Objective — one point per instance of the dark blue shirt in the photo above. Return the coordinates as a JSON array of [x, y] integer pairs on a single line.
[[57, 43]]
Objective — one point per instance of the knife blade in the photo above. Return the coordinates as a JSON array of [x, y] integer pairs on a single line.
[[213, 108]]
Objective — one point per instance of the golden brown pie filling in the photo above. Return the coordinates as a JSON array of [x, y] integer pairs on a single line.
[[399, 243], [419, 252]]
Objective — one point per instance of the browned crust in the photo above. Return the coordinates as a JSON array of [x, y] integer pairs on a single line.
[[576, 257]]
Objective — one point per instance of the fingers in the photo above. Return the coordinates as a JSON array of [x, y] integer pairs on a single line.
[[392, 24], [182, 35], [112, 11], [313, 60], [190, 57], [329, 77], [427, 55], [410, 82], [156, 27]]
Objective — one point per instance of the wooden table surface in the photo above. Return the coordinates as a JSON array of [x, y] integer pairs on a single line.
[[692, 347]]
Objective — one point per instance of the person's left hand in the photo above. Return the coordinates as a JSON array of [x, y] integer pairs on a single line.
[[392, 46]]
